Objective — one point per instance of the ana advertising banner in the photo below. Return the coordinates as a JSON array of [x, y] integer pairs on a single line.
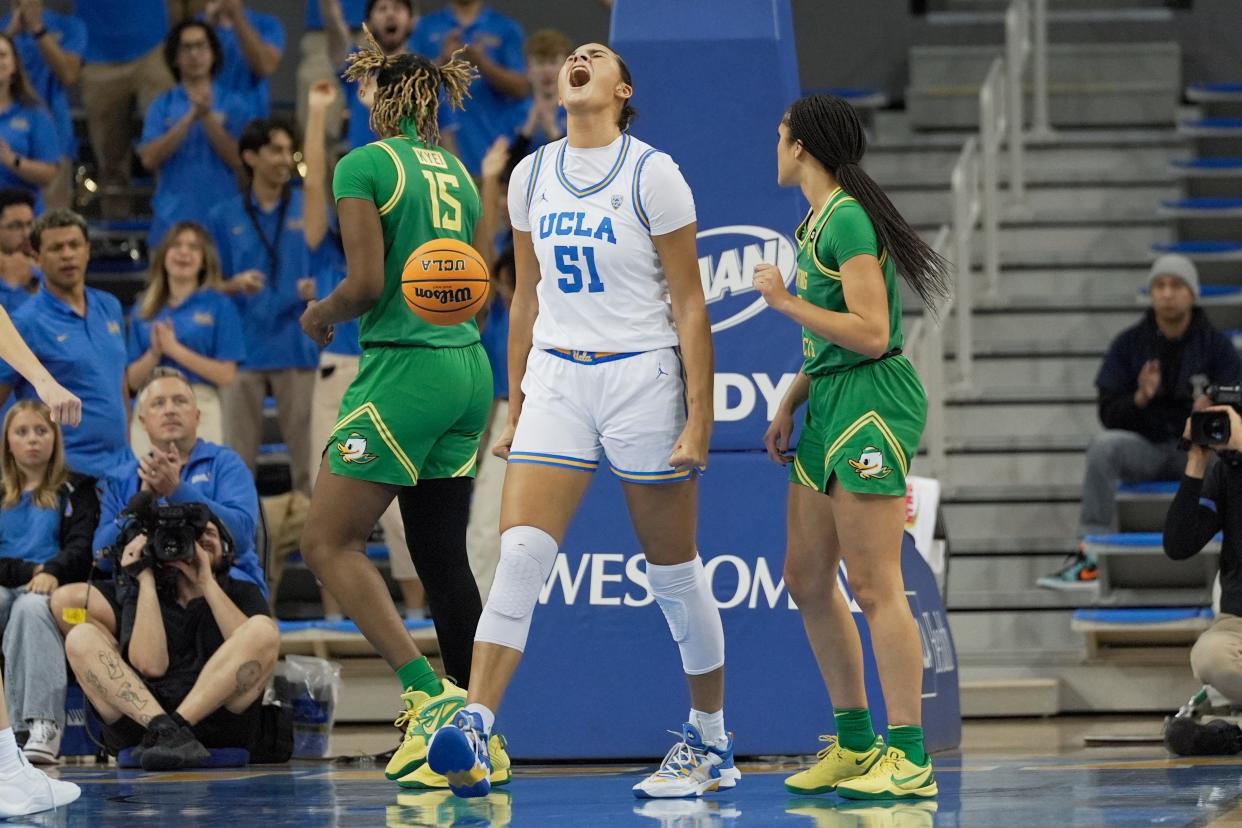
[[712, 80]]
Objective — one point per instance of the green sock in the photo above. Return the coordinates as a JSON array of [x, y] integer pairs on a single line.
[[418, 675], [854, 730], [910, 739]]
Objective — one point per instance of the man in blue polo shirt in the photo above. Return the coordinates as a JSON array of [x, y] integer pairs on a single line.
[[181, 468], [79, 334], [51, 47], [253, 44], [189, 137], [266, 235], [493, 43], [124, 69]]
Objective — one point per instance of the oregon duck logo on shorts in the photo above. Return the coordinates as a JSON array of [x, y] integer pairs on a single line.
[[354, 449], [870, 464]]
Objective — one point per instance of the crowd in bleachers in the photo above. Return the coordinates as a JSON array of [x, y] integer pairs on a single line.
[[242, 235]]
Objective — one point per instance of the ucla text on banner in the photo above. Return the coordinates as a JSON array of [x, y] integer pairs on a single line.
[[712, 81]]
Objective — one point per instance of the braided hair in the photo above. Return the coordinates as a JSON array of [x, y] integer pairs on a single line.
[[408, 87], [833, 134]]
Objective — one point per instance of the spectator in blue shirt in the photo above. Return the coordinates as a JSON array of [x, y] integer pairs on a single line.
[[253, 44], [541, 118], [19, 274], [189, 137], [183, 321], [29, 147], [123, 73], [79, 334], [266, 235], [314, 65], [47, 518], [51, 47], [493, 43], [183, 468]]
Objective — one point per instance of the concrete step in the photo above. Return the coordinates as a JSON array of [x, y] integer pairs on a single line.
[[1109, 202], [1096, 284], [982, 522], [1156, 688], [1008, 635], [1052, 324], [1050, 371], [1124, 160], [1078, 244], [990, 698], [974, 421], [1011, 546], [1060, 468]]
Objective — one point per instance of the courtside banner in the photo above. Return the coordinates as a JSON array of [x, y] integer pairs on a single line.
[[712, 81], [602, 677]]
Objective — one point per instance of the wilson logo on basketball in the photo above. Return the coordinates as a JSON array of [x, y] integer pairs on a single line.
[[445, 296]]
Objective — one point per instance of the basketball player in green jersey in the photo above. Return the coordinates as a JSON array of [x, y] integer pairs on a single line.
[[865, 414], [411, 422]]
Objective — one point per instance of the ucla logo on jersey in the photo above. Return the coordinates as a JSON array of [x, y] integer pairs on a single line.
[[727, 260], [576, 223], [616, 202]]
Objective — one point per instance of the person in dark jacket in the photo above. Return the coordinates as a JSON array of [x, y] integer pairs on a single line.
[[47, 519], [1154, 374]]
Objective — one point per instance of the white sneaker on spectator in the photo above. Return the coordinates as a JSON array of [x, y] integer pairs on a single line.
[[29, 791], [43, 746]]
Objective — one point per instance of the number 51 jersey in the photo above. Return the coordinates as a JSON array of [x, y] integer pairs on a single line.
[[591, 213]]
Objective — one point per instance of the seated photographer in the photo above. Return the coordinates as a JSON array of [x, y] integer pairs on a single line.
[[181, 468], [1155, 373], [194, 655], [1209, 500], [47, 518]]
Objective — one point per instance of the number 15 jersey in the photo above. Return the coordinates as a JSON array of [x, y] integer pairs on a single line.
[[591, 213]]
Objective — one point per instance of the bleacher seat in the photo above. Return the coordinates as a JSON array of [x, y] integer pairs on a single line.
[[1211, 127], [1214, 92], [1141, 635], [1130, 561], [1205, 208], [1230, 251], [1222, 167], [1141, 507]]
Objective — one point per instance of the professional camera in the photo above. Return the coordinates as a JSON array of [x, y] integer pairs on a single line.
[[171, 530], [1211, 428]]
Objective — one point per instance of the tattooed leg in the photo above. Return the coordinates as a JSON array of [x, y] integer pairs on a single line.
[[113, 687], [236, 674]]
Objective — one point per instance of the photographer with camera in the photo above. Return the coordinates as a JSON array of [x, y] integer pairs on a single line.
[[1209, 500], [1155, 373], [196, 646]]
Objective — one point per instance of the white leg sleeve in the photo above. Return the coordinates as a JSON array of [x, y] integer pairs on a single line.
[[526, 558], [684, 594]]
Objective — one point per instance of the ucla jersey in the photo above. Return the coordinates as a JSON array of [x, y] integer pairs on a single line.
[[591, 213]]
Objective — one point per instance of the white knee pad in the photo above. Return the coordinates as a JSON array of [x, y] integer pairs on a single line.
[[685, 596], [526, 558]]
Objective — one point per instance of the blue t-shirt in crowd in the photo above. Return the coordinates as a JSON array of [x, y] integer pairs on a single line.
[[270, 318], [537, 136], [87, 356], [329, 266], [206, 323], [118, 31], [70, 34], [194, 179], [213, 475], [29, 532], [235, 73], [30, 132], [12, 298], [494, 335], [489, 113], [354, 11]]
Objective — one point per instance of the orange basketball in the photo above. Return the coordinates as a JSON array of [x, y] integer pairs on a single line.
[[445, 281]]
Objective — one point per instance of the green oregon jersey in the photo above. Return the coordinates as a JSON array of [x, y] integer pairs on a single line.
[[422, 193], [841, 231]]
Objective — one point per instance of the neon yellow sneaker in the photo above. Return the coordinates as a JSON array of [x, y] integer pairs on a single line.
[[423, 716], [424, 778], [893, 777], [835, 765]]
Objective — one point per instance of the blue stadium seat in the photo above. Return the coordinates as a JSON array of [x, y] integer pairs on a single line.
[[1201, 208], [1214, 92], [1155, 487], [1203, 250], [1143, 615], [346, 627], [1221, 167], [1211, 127]]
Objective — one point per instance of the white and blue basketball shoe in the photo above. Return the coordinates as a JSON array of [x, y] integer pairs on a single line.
[[691, 768], [458, 752]]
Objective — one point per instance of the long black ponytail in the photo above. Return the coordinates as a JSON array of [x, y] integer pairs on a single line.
[[833, 134]]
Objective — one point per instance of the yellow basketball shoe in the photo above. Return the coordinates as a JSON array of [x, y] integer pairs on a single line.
[[423, 716], [836, 764], [893, 777], [424, 778]]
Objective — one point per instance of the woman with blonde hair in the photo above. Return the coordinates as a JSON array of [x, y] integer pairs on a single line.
[[47, 519], [184, 321]]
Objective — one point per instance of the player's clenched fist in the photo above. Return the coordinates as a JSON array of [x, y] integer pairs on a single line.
[[770, 283]]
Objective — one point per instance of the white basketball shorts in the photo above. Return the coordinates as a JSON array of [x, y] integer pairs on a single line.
[[580, 405]]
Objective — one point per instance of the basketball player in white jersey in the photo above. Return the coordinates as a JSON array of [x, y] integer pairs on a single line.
[[607, 319]]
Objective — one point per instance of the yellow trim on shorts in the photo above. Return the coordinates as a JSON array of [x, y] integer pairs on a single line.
[[870, 418], [465, 470], [803, 477], [369, 409], [400, 188]]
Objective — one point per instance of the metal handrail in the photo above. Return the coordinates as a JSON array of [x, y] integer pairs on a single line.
[[925, 345], [1018, 50], [967, 208], [993, 121]]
